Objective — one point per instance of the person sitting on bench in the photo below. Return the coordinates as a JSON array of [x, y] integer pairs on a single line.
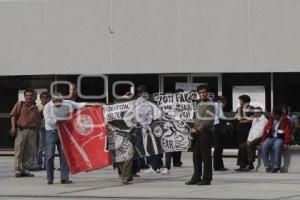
[[277, 135]]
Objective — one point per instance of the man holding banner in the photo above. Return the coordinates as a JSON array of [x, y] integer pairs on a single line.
[[56, 112]]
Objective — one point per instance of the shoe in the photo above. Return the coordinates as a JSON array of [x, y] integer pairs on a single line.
[[275, 170], [240, 169], [126, 183], [248, 168], [35, 169], [165, 171], [149, 171], [50, 182], [192, 182], [19, 174], [63, 181], [221, 169], [130, 179], [203, 182], [179, 164], [27, 174], [268, 169], [135, 175]]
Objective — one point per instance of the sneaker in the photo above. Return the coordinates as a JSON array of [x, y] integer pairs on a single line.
[[63, 181], [50, 182], [165, 171], [149, 171]]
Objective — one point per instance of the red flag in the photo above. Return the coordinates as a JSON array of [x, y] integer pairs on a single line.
[[83, 140]]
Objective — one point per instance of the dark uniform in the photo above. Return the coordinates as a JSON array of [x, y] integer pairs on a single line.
[[202, 145]]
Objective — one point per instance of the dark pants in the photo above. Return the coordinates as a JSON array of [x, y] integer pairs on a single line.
[[155, 161], [138, 164], [177, 158], [242, 133], [125, 170], [218, 144], [168, 158], [246, 154], [202, 154]]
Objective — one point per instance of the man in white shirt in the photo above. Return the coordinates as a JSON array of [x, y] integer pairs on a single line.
[[218, 135], [56, 112], [246, 154]]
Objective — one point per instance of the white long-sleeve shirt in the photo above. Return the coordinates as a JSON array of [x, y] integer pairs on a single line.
[[53, 113], [257, 128], [219, 114]]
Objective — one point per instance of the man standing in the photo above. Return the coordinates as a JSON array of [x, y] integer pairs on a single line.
[[218, 135], [247, 150], [56, 112], [24, 123], [202, 132], [41, 160]]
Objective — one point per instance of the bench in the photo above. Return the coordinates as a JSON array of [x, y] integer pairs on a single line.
[[290, 160]]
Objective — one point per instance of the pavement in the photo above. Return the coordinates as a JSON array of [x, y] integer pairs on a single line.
[[104, 184]]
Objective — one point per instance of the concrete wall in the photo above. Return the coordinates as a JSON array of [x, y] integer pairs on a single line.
[[148, 36]]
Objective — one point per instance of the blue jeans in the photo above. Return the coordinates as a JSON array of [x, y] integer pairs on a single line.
[[41, 161], [52, 140], [272, 159]]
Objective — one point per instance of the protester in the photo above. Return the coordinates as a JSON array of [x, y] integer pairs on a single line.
[[243, 115], [73, 93], [277, 135], [145, 118], [41, 147], [247, 150], [202, 132], [124, 167], [140, 163], [287, 111], [177, 154], [55, 113], [219, 135], [24, 123]]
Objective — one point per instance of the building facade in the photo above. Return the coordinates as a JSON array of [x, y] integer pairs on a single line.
[[157, 43]]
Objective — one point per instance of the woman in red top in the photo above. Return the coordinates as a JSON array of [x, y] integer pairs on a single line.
[[277, 135]]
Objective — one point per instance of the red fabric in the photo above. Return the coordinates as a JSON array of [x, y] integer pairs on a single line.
[[83, 140], [285, 125]]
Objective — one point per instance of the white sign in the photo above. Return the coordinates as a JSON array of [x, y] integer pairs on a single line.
[[188, 86]]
